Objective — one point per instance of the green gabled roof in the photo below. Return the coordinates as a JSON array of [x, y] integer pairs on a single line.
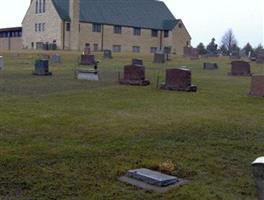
[[149, 14]]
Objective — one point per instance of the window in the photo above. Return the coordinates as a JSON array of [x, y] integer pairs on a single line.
[[68, 26], [36, 6], [166, 33], [40, 6], [153, 49], [118, 29], [43, 27], [44, 6], [180, 25], [39, 27], [97, 28], [116, 48], [137, 31], [154, 33], [136, 49], [32, 45], [36, 27]]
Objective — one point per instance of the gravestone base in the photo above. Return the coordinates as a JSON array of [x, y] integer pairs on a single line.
[[257, 86], [192, 88], [210, 66], [89, 75], [135, 82], [151, 180]]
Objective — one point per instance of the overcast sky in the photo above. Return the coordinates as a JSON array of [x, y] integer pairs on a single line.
[[204, 19]]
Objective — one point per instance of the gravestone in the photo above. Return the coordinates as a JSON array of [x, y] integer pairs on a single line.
[[56, 58], [240, 68], [167, 51], [260, 58], [1, 62], [159, 57], [108, 54], [257, 86], [134, 75], [179, 80], [152, 180], [152, 177], [88, 60], [42, 68], [90, 75], [258, 173], [190, 52], [210, 66], [137, 62], [86, 51]]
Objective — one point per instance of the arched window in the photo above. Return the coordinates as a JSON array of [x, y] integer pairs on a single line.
[[36, 6]]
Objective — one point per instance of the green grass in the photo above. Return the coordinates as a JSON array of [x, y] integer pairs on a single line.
[[61, 138]]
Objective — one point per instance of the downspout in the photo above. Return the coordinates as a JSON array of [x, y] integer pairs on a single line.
[[102, 41], [161, 40], [63, 35]]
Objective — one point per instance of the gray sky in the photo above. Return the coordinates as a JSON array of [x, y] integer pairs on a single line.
[[204, 19]]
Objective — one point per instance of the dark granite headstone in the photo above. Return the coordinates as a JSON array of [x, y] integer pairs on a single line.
[[240, 68], [1, 62], [42, 68], [159, 57], [56, 58], [210, 66], [134, 75], [257, 86], [86, 51], [88, 60], [179, 80], [137, 62], [108, 54]]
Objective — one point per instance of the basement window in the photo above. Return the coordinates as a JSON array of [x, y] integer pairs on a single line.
[[116, 48], [153, 49], [136, 49]]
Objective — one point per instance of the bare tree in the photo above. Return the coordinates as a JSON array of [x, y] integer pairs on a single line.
[[229, 41]]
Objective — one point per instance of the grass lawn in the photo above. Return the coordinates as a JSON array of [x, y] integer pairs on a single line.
[[61, 138]]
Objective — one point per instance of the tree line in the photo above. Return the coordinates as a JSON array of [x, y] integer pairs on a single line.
[[229, 46]]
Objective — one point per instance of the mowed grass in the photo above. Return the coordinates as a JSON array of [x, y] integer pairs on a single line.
[[61, 138]]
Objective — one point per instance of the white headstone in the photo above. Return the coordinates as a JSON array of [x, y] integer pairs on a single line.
[[88, 75]]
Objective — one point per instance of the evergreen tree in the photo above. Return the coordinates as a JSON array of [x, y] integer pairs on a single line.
[[201, 49]]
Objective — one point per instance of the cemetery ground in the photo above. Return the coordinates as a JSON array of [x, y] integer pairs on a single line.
[[61, 138]]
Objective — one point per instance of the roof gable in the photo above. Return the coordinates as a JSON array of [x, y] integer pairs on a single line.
[[150, 14]]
